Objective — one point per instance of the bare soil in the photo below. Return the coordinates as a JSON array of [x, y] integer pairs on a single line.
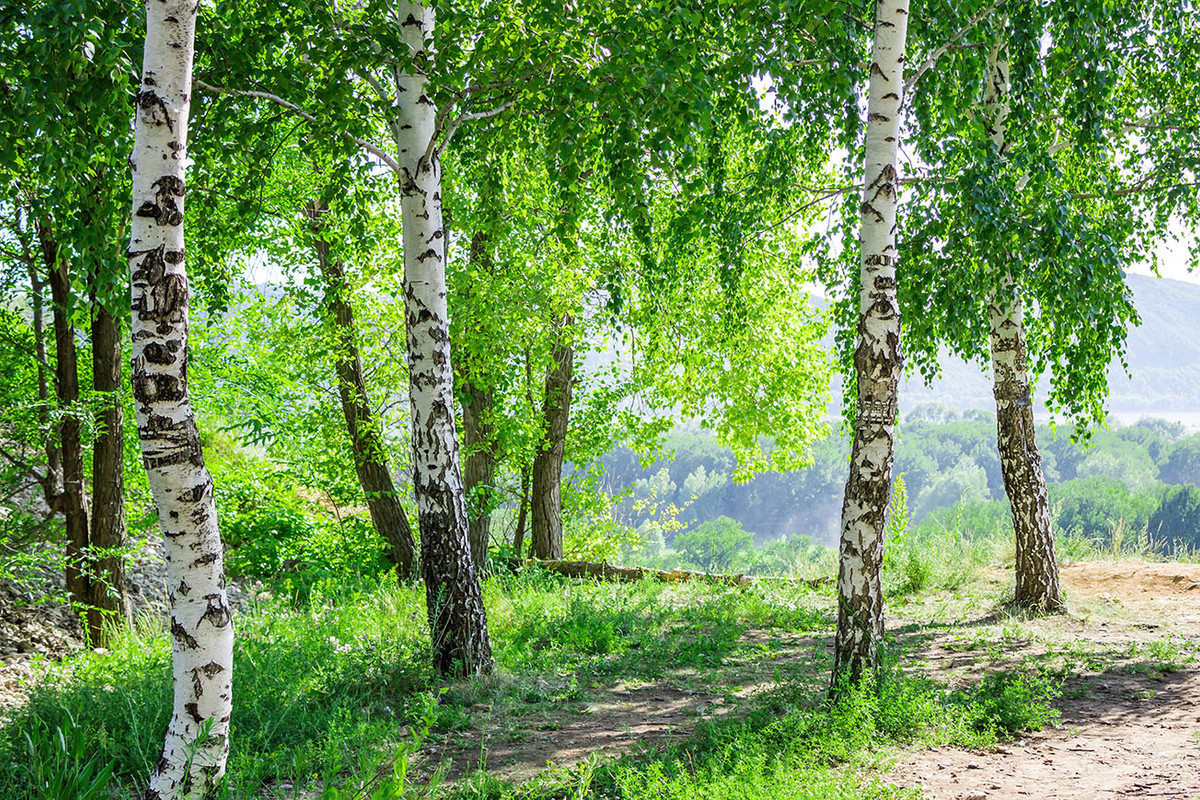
[[1128, 728], [1129, 724]]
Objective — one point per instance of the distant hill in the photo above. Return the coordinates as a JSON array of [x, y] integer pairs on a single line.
[[1163, 355]]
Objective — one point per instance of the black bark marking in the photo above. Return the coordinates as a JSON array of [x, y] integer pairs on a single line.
[[161, 353], [184, 589], [165, 209], [217, 612], [207, 558], [195, 494], [209, 670], [148, 100], [157, 388], [183, 637], [193, 710]]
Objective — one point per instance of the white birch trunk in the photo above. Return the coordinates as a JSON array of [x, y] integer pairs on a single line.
[[1037, 582], [877, 361], [193, 757], [457, 620]]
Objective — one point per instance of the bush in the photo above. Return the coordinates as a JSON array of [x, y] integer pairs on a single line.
[[714, 545]]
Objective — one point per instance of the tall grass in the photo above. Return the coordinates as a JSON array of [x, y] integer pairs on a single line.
[[332, 698]]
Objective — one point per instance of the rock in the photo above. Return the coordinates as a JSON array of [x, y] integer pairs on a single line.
[[975, 796], [7, 651]]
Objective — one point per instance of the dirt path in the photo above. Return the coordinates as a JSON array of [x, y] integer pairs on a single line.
[[1130, 718], [630, 717]]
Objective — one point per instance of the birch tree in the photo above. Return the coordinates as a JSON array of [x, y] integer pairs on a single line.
[[1022, 230], [1020, 462], [197, 740], [877, 360]]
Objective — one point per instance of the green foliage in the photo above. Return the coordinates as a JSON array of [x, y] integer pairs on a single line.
[[62, 764], [1094, 507], [1182, 463], [272, 532], [714, 545], [1176, 521], [1008, 703]]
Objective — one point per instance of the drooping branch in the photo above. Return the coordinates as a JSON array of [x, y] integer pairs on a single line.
[[453, 127]]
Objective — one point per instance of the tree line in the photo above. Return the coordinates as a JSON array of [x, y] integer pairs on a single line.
[[504, 183]]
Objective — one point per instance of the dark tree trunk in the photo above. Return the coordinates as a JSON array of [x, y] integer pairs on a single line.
[[546, 499], [73, 502], [108, 599], [52, 480], [522, 515], [479, 432], [1021, 464], [366, 441], [479, 467]]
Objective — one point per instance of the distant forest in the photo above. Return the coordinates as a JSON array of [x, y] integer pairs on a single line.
[[1130, 481]]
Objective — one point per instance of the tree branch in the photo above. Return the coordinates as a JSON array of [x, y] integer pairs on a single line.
[[453, 126], [276, 99], [929, 62]]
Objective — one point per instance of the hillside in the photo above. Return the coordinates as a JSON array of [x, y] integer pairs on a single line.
[[1164, 361]]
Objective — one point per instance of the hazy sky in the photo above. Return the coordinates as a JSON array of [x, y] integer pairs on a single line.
[[1174, 259]]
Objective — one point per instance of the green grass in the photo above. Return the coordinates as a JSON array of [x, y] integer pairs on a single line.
[[336, 698]]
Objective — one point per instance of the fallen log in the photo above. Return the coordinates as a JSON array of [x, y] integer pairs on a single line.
[[608, 572]]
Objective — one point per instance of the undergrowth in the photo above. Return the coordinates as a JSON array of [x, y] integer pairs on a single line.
[[334, 699]]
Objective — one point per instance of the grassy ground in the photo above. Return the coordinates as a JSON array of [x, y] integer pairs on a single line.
[[631, 691]]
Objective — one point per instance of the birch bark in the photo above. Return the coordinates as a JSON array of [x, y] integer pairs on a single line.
[[196, 745], [546, 497], [877, 361], [457, 620], [1020, 462]]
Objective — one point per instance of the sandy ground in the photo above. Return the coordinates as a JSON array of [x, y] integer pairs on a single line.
[[1125, 731]]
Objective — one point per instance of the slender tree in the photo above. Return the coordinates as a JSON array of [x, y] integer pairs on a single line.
[[877, 360], [457, 619], [107, 597], [1020, 461], [197, 740], [546, 525], [73, 502], [366, 441]]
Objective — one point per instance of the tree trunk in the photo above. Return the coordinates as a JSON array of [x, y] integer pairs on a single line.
[[546, 498], [52, 480], [479, 433], [108, 600], [366, 440], [197, 739], [479, 470], [522, 514], [457, 620], [1020, 462], [73, 502], [877, 362]]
